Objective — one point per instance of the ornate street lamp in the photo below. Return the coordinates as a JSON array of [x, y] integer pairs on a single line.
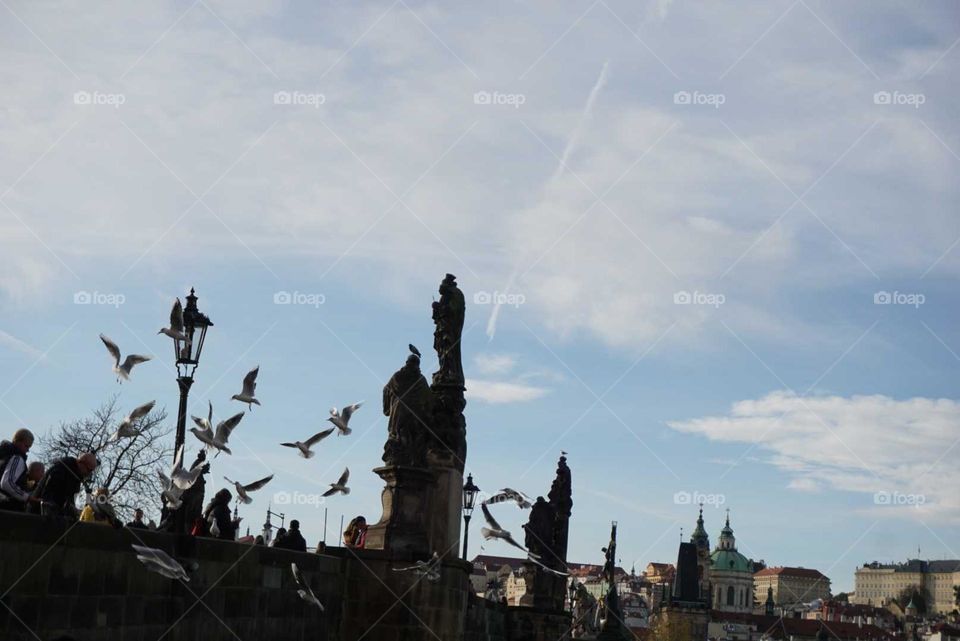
[[470, 492], [187, 356]]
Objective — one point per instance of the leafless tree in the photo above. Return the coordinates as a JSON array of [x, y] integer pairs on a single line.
[[128, 467]]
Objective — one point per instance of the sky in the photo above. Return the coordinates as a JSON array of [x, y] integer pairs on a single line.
[[709, 250]]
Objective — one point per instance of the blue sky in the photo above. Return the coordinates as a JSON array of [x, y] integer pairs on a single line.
[[788, 168]]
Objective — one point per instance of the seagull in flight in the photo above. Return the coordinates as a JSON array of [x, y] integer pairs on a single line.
[[342, 418], [176, 331], [427, 569], [249, 389], [341, 484], [156, 560], [171, 493], [126, 429], [183, 479], [303, 589], [304, 446], [122, 370], [252, 487], [218, 440], [507, 494], [205, 424], [497, 532], [533, 558]]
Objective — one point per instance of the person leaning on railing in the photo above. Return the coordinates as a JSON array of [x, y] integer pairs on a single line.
[[16, 476]]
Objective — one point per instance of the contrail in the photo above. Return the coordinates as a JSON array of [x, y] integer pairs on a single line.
[[584, 117]]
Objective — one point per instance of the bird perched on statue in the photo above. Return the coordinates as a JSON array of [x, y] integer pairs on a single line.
[[304, 446], [415, 351], [248, 395], [126, 428], [252, 487], [342, 418], [122, 370]]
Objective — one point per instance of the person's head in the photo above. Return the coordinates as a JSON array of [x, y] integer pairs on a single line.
[[223, 496], [23, 440], [138, 515], [102, 493], [258, 540], [360, 522], [86, 463], [281, 532], [294, 524], [35, 471]]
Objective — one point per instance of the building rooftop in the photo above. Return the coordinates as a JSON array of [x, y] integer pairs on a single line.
[[784, 628], [917, 565], [788, 571]]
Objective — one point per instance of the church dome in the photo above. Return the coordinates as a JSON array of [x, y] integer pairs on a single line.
[[725, 557]]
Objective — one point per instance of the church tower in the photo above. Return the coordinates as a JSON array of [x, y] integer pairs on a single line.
[[701, 540]]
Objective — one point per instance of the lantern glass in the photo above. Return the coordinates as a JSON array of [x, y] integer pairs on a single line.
[[470, 492]]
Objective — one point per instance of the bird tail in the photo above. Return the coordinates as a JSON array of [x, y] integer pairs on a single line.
[[346, 490], [247, 500], [307, 454]]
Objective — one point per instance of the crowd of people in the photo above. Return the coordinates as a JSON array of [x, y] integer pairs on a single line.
[[34, 488]]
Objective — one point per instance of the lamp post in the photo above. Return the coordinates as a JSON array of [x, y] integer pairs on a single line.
[[470, 492], [187, 355]]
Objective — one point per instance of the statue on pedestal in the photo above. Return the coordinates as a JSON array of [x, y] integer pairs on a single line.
[[407, 401], [448, 314]]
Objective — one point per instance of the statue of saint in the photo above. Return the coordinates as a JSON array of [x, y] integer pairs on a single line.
[[407, 401], [539, 532], [448, 314]]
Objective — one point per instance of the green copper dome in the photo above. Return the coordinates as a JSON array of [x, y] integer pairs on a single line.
[[730, 561]]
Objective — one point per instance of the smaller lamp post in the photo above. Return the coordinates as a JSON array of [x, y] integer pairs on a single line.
[[470, 492]]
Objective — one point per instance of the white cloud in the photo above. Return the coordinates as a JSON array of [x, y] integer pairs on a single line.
[[494, 363], [900, 449], [498, 392], [15, 343]]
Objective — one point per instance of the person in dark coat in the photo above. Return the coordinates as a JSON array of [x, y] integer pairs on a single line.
[[278, 539], [192, 497], [57, 490], [14, 472], [137, 521], [293, 540], [219, 511]]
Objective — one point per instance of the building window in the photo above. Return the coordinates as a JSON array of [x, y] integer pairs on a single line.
[[729, 595]]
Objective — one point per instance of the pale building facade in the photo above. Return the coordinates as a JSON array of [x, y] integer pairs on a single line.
[[879, 583], [792, 587]]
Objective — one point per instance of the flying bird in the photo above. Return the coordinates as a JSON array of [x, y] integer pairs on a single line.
[[175, 331], [126, 429], [342, 418], [205, 424], [249, 389], [252, 487], [497, 532], [507, 494], [218, 440], [304, 446], [184, 479], [427, 569], [156, 560], [303, 589], [341, 484], [122, 370], [533, 558], [414, 350], [171, 493], [214, 528]]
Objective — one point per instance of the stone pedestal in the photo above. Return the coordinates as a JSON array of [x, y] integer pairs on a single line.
[[446, 505], [403, 527]]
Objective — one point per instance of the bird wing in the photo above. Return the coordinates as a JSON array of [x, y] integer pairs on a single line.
[[178, 459], [509, 539], [176, 317], [250, 381], [210, 415], [157, 556], [288, 444], [256, 485], [112, 348], [298, 577], [349, 410], [225, 428], [141, 411], [319, 436], [344, 477], [331, 491], [134, 359], [489, 517]]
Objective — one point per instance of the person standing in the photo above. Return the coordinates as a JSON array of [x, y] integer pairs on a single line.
[[57, 491], [218, 511], [14, 477], [137, 521], [293, 540]]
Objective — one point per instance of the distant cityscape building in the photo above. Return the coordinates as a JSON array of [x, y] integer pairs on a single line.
[[791, 587], [731, 575], [879, 583]]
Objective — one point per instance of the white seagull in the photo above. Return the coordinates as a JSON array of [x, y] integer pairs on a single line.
[[497, 532], [122, 370], [342, 418], [158, 561], [243, 489], [428, 569], [218, 440], [303, 589], [171, 493], [533, 558], [341, 484], [175, 331], [126, 429], [184, 479], [205, 424], [304, 446], [249, 389], [507, 494]]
